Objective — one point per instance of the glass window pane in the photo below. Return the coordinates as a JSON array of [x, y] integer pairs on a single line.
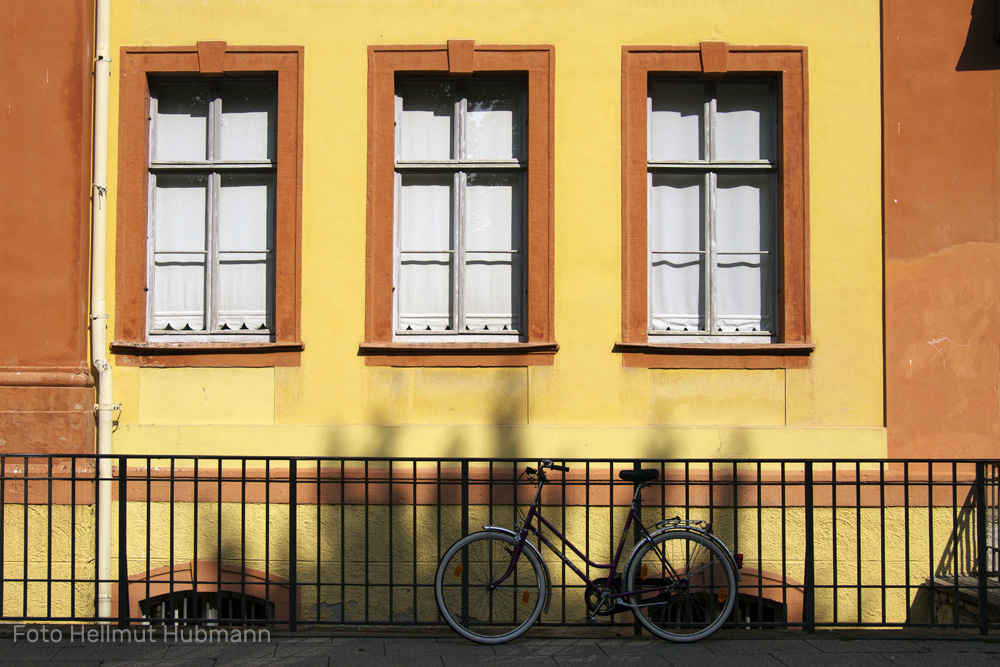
[[424, 292], [247, 126], [743, 213], [676, 212], [425, 125], [743, 124], [246, 212], [676, 293], [179, 292], [180, 210], [743, 293], [245, 286], [493, 209], [745, 237], [676, 112], [493, 120], [425, 212], [425, 224], [493, 232], [180, 128], [492, 291]]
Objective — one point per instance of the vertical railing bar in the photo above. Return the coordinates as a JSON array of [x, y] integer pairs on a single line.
[[760, 544], [26, 542], [367, 537], [565, 529], [930, 539], [319, 540], [464, 491], [72, 538], [906, 540], [857, 569], [243, 541], [437, 503], [687, 490], [123, 597], [149, 524], [48, 538], [586, 512], [955, 512], [881, 474], [984, 619], [736, 512], [293, 594], [784, 539], [293, 552], [415, 574], [195, 505], [833, 533], [390, 507], [218, 542], [343, 540], [173, 529], [809, 603]]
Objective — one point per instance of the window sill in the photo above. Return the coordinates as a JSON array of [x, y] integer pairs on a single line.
[[458, 354], [232, 355], [715, 355]]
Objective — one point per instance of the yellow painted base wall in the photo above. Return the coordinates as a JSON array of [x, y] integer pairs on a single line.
[[343, 547]]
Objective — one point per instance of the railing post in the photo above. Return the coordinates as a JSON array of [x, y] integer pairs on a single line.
[[809, 594], [465, 531], [123, 601], [981, 547], [293, 555]]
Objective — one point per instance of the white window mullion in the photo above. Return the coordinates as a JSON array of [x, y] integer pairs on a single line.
[[711, 316], [458, 217], [212, 279], [458, 268], [214, 196], [711, 222]]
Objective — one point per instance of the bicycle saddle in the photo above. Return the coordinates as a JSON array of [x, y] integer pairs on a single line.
[[639, 476]]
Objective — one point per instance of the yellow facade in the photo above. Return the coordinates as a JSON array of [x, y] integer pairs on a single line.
[[586, 404]]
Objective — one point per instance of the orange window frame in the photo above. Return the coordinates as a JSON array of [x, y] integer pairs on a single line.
[[459, 58], [132, 346], [787, 66]]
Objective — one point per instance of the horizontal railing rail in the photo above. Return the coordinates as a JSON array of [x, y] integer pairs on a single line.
[[321, 541]]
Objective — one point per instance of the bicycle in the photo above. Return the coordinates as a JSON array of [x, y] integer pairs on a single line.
[[679, 580]]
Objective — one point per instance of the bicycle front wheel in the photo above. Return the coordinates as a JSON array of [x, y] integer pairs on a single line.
[[684, 586], [471, 600]]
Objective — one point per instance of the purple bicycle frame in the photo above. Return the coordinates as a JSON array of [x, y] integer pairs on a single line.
[[527, 528]]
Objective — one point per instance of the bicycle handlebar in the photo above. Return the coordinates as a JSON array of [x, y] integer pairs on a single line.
[[546, 464]]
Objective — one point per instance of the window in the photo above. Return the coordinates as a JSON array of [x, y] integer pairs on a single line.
[[460, 211], [714, 208], [211, 209], [459, 221], [209, 213]]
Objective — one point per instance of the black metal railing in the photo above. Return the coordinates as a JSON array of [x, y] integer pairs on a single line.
[[330, 541]]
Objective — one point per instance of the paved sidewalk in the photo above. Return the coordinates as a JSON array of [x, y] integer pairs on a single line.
[[436, 647]]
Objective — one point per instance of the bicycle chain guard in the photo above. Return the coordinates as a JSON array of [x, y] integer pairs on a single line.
[[598, 604]]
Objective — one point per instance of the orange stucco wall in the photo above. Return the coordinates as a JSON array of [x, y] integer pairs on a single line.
[[46, 402], [941, 83]]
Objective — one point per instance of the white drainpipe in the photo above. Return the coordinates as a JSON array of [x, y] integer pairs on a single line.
[[98, 304]]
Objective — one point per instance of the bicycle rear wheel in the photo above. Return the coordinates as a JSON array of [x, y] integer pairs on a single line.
[[467, 598], [685, 585]]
